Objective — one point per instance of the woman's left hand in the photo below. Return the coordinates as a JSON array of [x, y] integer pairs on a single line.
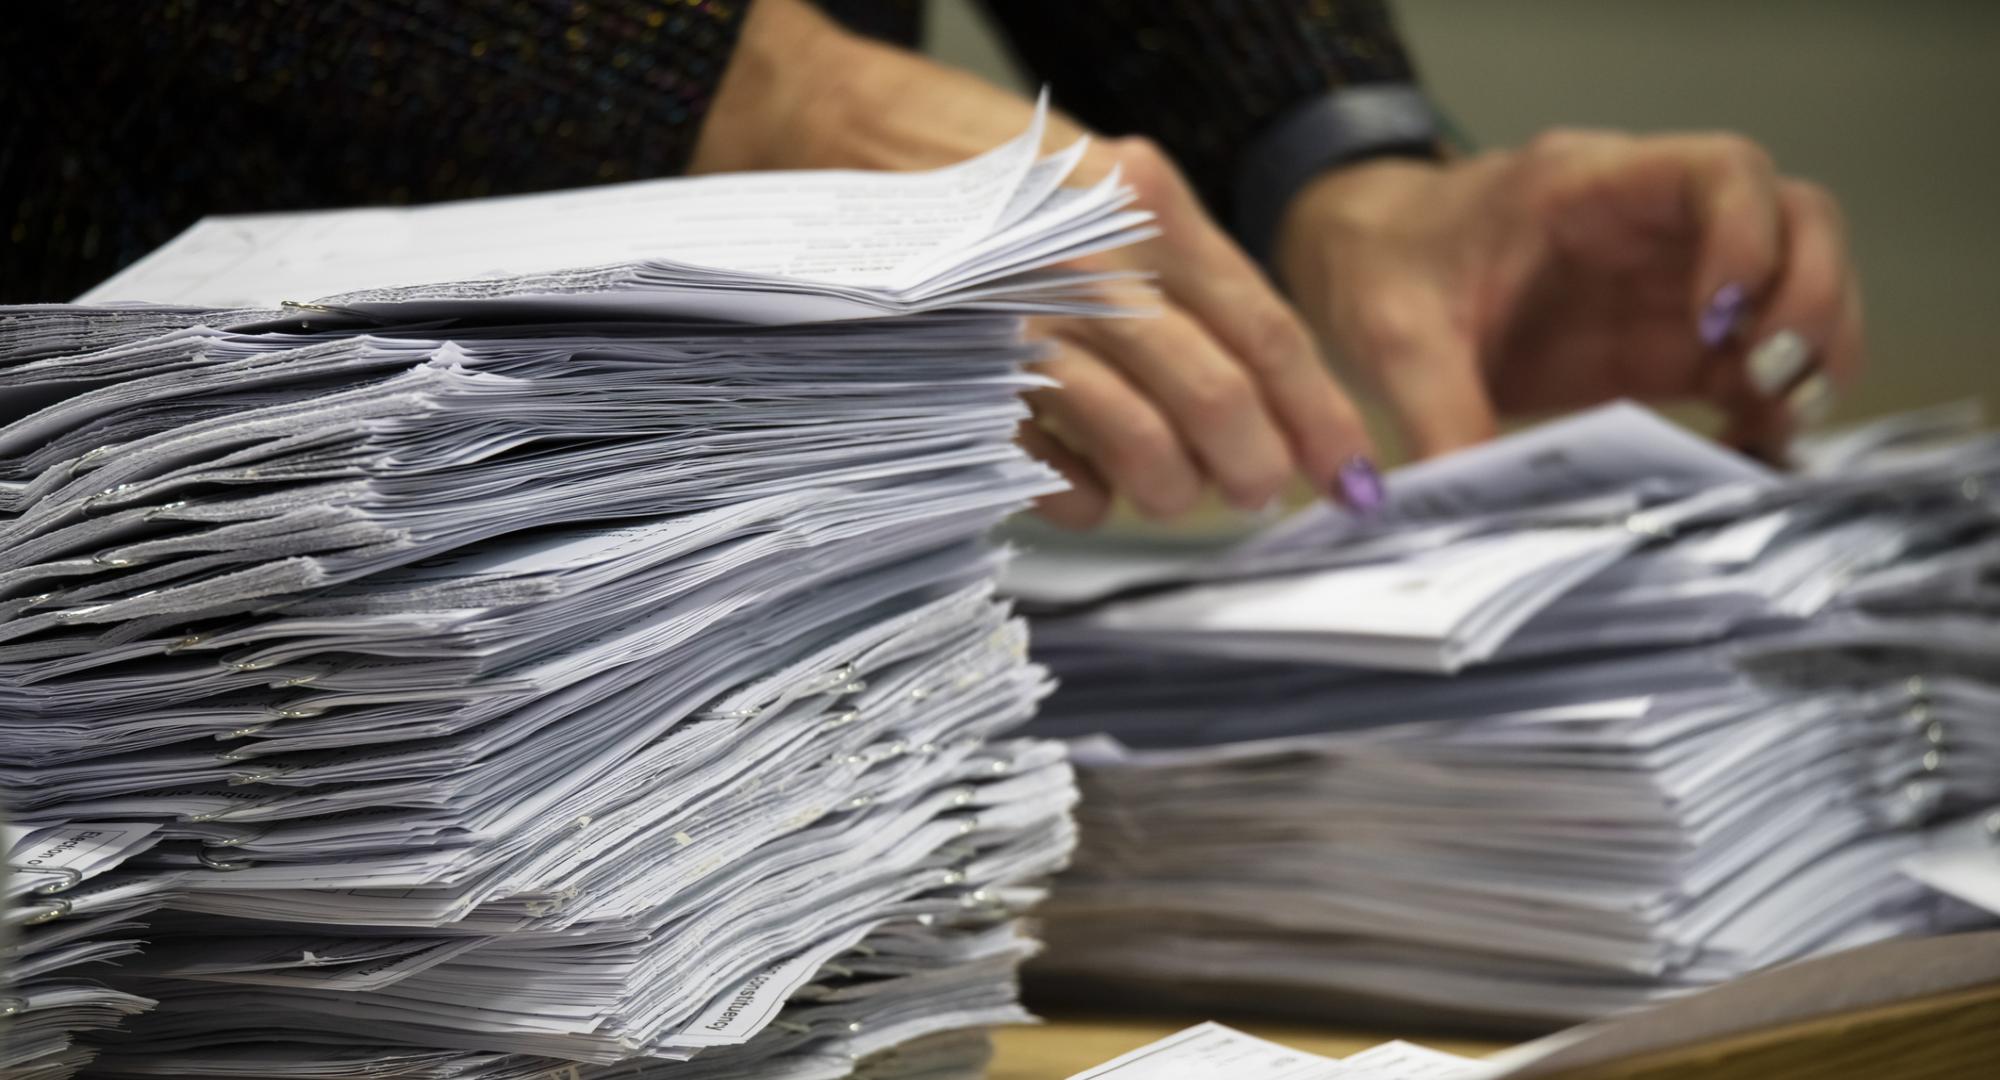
[[1583, 267]]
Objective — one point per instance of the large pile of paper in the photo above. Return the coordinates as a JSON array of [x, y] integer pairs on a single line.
[[533, 669], [1593, 715]]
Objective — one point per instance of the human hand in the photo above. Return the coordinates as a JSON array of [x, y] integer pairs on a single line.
[[1582, 267], [1220, 386]]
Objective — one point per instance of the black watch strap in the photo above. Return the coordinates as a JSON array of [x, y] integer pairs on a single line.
[[1345, 125]]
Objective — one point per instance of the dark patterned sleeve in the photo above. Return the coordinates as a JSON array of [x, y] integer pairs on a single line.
[[128, 122], [1226, 85]]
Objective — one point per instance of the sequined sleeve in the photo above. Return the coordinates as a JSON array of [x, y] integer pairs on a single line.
[[128, 122], [1204, 78]]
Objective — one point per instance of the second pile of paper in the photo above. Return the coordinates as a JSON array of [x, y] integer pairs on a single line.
[[1593, 715]]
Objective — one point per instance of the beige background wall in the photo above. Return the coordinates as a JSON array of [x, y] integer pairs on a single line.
[[1894, 104]]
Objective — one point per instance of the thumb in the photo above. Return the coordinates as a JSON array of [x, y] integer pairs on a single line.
[[1403, 334]]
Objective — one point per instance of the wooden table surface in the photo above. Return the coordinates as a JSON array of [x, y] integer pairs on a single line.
[[1062, 1048], [1950, 1036]]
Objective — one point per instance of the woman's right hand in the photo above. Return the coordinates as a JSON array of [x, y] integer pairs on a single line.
[[1219, 387], [1222, 388]]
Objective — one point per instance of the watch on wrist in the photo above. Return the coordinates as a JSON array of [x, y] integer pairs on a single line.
[[1340, 127]]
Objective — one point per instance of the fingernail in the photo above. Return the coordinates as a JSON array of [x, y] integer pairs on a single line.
[[1361, 485], [1811, 402], [1724, 310], [1781, 359]]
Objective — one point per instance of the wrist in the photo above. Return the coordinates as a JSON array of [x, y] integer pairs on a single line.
[[1339, 207], [1344, 125], [804, 93], [786, 56], [883, 107]]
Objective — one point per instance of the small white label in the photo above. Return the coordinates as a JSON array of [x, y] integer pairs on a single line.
[[83, 849], [734, 1017]]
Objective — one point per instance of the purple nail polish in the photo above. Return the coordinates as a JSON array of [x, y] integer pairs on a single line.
[[1361, 485], [1719, 320]]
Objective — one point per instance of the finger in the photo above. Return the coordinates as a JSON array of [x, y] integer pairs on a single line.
[[1722, 186], [1732, 190], [1215, 407], [1202, 271], [1726, 187], [1850, 340], [1754, 423], [1816, 294], [1122, 435], [1403, 333], [1806, 334], [1088, 500]]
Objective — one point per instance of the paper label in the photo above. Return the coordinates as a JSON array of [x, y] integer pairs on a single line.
[[736, 1016], [85, 849]]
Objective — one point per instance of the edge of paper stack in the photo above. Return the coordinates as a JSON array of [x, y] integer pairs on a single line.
[[422, 660]]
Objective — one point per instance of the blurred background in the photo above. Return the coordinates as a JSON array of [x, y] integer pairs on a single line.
[[1890, 105]]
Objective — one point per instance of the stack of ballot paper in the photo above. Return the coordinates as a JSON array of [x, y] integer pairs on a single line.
[[1591, 716], [505, 670]]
